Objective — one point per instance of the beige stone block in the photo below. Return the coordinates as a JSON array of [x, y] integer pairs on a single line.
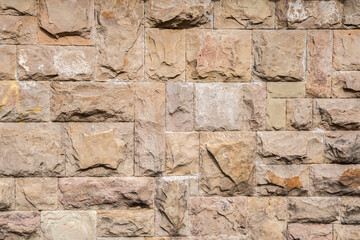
[[299, 114], [350, 210], [18, 30], [18, 7], [346, 232], [20, 225], [7, 194], [346, 85], [8, 56], [346, 54], [350, 14], [275, 114], [254, 101], [308, 231], [286, 89]]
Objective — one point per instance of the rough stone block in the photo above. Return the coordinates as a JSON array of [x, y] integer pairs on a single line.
[[275, 114], [350, 210], [254, 106], [342, 147], [8, 56], [346, 54], [286, 89], [350, 14], [18, 30], [346, 85], [346, 232], [299, 114], [7, 194], [20, 225], [306, 231], [11, 7]]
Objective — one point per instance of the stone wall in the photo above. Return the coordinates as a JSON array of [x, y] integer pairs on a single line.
[[180, 119]]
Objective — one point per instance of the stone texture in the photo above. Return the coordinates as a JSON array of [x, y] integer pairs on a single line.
[[350, 210], [346, 85], [286, 89], [346, 54], [11, 7], [266, 218], [337, 114], [247, 14], [178, 14], [24, 101], [290, 147], [346, 232], [97, 102], [139, 222], [182, 153], [36, 194], [20, 225], [97, 149], [275, 114], [120, 40], [303, 14], [8, 56], [7, 194], [227, 163], [342, 147], [149, 129], [299, 114], [290, 180], [165, 55], [218, 106], [106, 193], [218, 55], [77, 28], [307, 231], [350, 14], [18, 30], [68, 225], [55, 63], [179, 107], [254, 100], [269, 51], [319, 55], [32, 149], [217, 216]]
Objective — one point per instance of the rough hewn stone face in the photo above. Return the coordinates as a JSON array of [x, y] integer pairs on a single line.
[[20, 225], [346, 85], [7, 194], [299, 114], [350, 14], [346, 54], [342, 147], [8, 56], [275, 114], [350, 210], [254, 106], [346, 232], [10, 7], [18, 30], [308, 231]]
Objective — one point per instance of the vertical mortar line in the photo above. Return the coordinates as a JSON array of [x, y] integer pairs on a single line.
[[332, 59]]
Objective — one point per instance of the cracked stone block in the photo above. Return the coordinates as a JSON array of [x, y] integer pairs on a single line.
[[308, 231], [346, 85], [8, 56], [346, 54], [20, 225], [18, 7], [342, 147], [7, 194], [18, 29], [350, 210], [299, 114]]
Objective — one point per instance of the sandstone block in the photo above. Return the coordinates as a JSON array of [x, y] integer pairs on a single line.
[[20, 225], [31, 149], [346, 54], [97, 102], [306, 231], [275, 114], [299, 114], [8, 56], [120, 40], [279, 55], [350, 14], [18, 29], [217, 216], [346, 85], [106, 193], [350, 210], [286, 89], [7, 194], [227, 163], [342, 147], [10, 7], [346, 232], [254, 100]]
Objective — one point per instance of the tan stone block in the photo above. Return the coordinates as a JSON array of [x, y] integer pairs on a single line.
[[20, 225], [79, 225], [342, 147], [346, 54], [217, 216], [8, 56], [138, 222], [346, 85], [290, 180], [165, 54], [227, 163], [275, 114], [244, 14], [120, 40], [299, 114], [350, 210], [7, 194], [350, 14], [18, 30], [149, 129], [178, 13], [36, 194], [31, 149], [266, 218], [286, 89], [97, 102], [254, 100], [66, 23], [18, 7], [193, 186], [306, 231], [346, 232], [218, 55], [55, 63], [182, 153], [106, 193], [289, 147], [319, 70]]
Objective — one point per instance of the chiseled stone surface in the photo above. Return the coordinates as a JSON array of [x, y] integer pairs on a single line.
[[286, 89], [350, 14], [346, 232], [275, 114], [346, 53], [350, 210], [18, 7], [299, 114], [18, 30], [307, 231], [342, 147], [20, 225], [8, 56], [254, 100], [346, 85], [7, 194]]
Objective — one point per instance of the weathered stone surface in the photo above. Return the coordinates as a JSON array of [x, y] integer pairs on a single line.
[[227, 163], [254, 106], [334, 180], [179, 107], [279, 55], [350, 210], [244, 14], [8, 56], [337, 114], [20, 225], [275, 114], [218, 55], [139, 222], [74, 28], [97, 102], [149, 129], [32, 149], [342, 147], [314, 209], [24, 101], [182, 153], [346, 232], [290, 147], [18, 30], [68, 225], [193, 186], [36, 193], [178, 14], [286, 89], [299, 114], [55, 63], [100, 149], [171, 201], [305, 231], [319, 55], [303, 14], [282, 180], [105, 193], [217, 216], [120, 40], [266, 218], [346, 85], [346, 55], [350, 14], [11, 7], [219, 106], [7, 194]]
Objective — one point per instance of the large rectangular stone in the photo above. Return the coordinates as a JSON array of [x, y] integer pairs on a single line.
[[275, 114], [308, 231], [299, 114], [286, 89], [20, 225], [346, 54], [18, 29]]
